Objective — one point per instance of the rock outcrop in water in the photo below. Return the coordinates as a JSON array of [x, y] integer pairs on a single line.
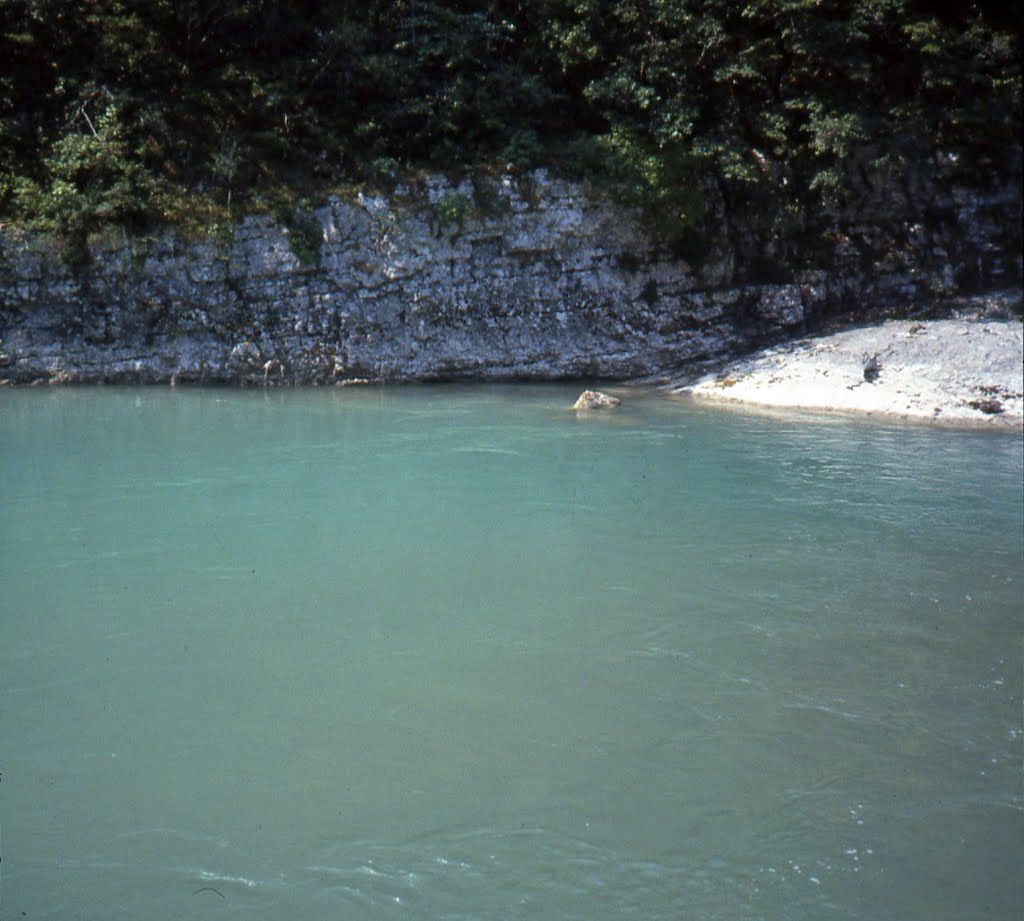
[[536, 279], [594, 399]]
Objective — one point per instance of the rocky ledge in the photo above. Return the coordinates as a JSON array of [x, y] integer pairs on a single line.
[[960, 370], [503, 277]]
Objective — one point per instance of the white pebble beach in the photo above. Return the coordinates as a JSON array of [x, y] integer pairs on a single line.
[[954, 371]]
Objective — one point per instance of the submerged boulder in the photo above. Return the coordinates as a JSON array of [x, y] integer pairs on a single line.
[[594, 399]]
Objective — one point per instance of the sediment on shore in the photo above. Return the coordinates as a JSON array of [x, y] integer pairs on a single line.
[[966, 370]]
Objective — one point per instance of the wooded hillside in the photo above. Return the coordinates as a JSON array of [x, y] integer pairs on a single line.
[[135, 113]]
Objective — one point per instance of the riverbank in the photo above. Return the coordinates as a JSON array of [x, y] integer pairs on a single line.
[[960, 370], [542, 280]]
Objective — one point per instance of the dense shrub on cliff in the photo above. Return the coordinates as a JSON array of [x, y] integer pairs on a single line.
[[136, 112]]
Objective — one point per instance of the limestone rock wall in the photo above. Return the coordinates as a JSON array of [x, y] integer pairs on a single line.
[[533, 278]]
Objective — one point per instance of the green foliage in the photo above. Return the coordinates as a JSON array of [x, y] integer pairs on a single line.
[[525, 148], [305, 233], [89, 180], [453, 209], [131, 113], [664, 182]]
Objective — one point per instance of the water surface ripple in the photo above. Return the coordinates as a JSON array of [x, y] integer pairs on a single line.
[[453, 652]]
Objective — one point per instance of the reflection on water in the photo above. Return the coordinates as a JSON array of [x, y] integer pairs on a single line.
[[453, 652]]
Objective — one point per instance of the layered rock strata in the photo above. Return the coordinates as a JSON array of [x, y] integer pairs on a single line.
[[526, 278]]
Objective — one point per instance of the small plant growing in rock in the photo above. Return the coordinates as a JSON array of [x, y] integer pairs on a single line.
[[454, 208], [305, 234], [384, 171]]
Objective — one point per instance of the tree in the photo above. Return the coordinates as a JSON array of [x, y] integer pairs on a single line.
[[132, 112]]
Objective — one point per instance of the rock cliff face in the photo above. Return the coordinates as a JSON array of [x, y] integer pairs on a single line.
[[527, 278]]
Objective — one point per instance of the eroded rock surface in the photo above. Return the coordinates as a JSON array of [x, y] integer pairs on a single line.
[[594, 399], [540, 279]]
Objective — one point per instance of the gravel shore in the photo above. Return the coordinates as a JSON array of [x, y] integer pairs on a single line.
[[954, 371]]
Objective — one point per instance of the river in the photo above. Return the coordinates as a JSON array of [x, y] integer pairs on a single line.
[[453, 652]]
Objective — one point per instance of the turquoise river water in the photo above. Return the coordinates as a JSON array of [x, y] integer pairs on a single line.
[[454, 653]]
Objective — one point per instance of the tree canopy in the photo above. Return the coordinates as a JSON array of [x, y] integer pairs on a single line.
[[133, 113]]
